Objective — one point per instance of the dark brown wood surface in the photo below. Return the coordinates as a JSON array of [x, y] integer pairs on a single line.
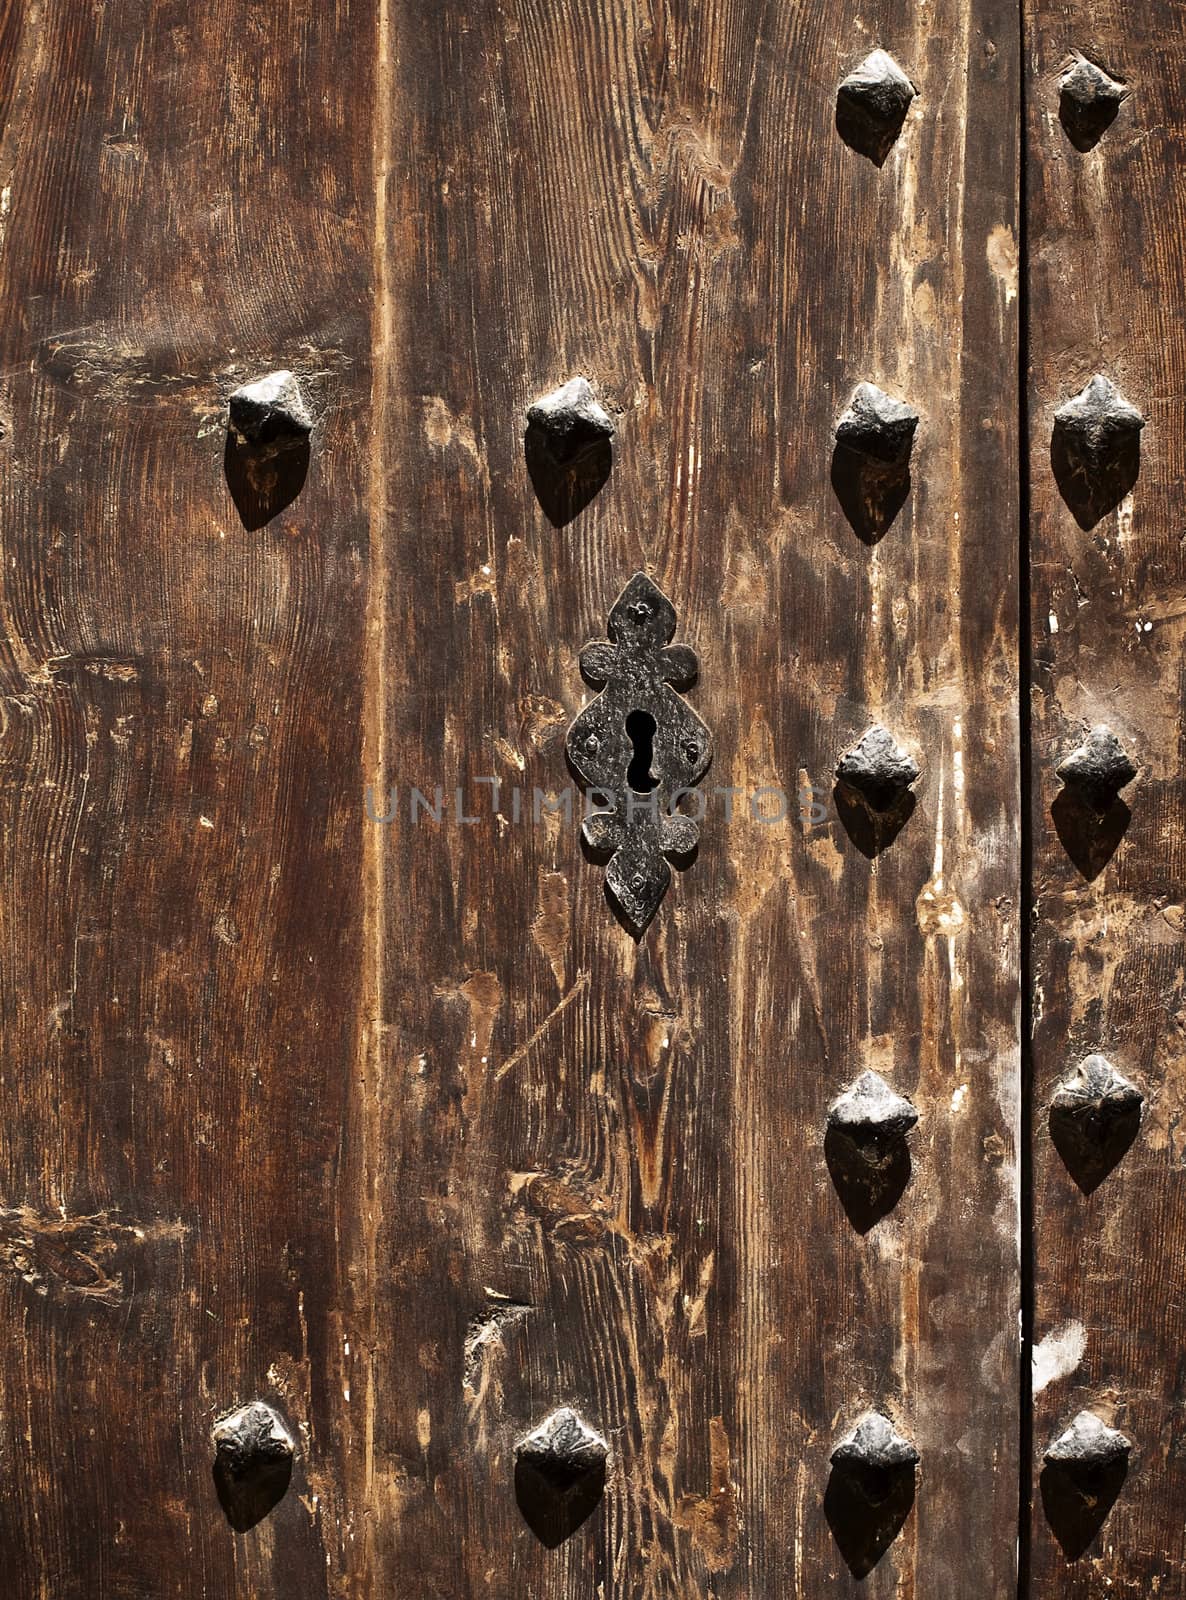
[[392, 1125], [186, 200], [627, 1141], [1107, 292]]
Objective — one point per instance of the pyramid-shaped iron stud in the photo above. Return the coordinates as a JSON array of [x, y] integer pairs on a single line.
[[872, 1116], [1088, 102], [1088, 1448], [877, 769], [571, 422], [563, 1450], [1098, 769], [877, 427], [270, 413], [873, 1454], [871, 106], [1098, 423], [1095, 1098], [1095, 450], [559, 1475], [253, 1455], [1094, 1117]]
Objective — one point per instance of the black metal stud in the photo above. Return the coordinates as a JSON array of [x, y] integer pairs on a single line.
[[1094, 1118], [872, 1115], [1088, 1447], [640, 748], [1097, 770], [871, 106], [267, 447], [1098, 421], [1088, 102], [878, 770], [1083, 1473], [871, 460], [571, 422], [870, 1491], [568, 449], [865, 1148], [1095, 450], [877, 426], [270, 413], [559, 1475], [873, 1449], [253, 1454]]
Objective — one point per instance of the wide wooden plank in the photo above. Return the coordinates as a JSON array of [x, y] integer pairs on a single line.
[[1107, 289], [185, 202], [594, 1170]]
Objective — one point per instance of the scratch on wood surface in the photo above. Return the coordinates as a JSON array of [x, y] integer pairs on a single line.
[[482, 993], [83, 1256], [549, 926], [442, 428], [524, 1050], [486, 1334], [712, 1519]]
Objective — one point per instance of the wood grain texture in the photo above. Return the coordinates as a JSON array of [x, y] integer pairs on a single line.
[[393, 1125], [598, 1168], [1107, 291], [185, 201]]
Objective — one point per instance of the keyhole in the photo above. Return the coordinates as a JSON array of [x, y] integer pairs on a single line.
[[640, 725]]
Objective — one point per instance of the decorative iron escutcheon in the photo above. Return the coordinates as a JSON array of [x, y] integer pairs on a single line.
[[638, 747]]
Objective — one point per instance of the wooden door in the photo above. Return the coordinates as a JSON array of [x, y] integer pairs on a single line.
[[353, 1129]]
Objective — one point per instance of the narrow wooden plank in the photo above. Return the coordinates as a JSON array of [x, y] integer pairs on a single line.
[[185, 201], [594, 1171], [1107, 288]]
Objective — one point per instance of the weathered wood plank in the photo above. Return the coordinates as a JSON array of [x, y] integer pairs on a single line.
[[185, 201], [1107, 288], [597, 1169]]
